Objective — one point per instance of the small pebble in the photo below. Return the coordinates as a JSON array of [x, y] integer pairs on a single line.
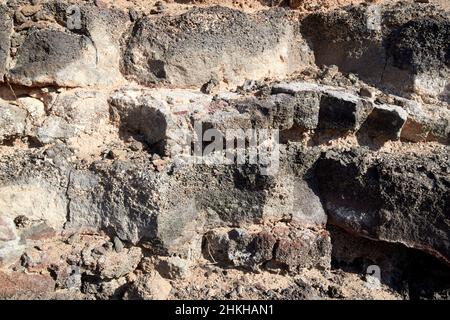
[[118, 245]]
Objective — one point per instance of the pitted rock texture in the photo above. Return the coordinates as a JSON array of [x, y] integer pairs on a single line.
[[282, 245], [214, 43], [394, 205], [115, 183], [5, 32], [404, 47]]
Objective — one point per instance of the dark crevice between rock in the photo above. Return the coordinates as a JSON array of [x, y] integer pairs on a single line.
[[30, 141], [413, 273], [142, 123]]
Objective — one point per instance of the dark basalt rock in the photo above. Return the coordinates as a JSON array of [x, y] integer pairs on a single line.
[[211, 43], [404, 48], [420, 45], [342, 38], [394, 198], [43, 54], [286, 248], [92, 177], [385, 122], [342, 112]]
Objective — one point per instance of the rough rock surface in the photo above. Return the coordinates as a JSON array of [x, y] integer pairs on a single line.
[[149, 287], [5, 33], [404, 46], [127, 156], [393, 205], [280, 246], [214, 43]]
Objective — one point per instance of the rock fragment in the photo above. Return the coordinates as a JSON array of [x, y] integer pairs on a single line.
[[5, 43], [118, 245], [385, 122], [173, 267], [12, 121], [149, 287], [114, 265], [289, 248], [19, 285], [342, 111]]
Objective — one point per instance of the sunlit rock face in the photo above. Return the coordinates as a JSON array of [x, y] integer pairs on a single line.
[[276, 151]]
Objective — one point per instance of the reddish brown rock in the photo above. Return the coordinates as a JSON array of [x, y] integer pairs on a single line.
[[287, 246], [39, 232], [19, 285], [304, 248], [414, 131]]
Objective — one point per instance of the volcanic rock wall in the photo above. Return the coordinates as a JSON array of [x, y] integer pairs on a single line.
[[102, 195]]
